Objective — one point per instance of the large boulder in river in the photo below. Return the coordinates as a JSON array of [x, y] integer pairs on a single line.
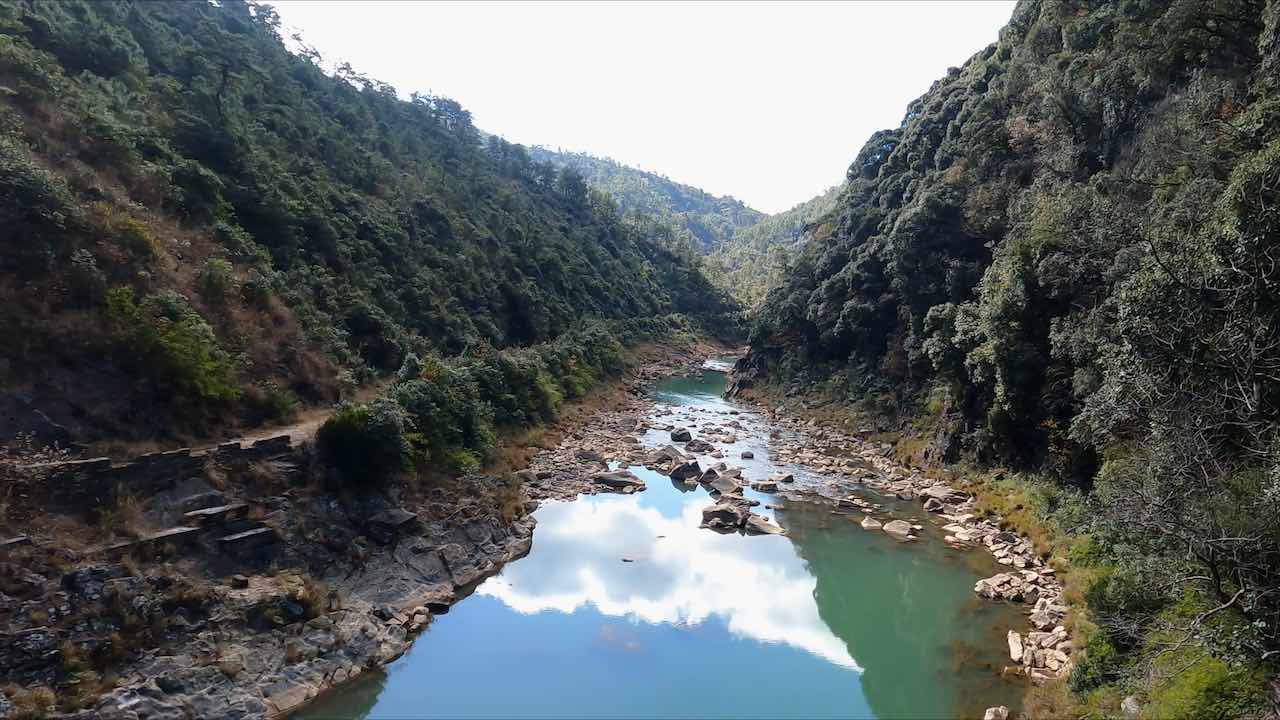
[[686, 470], [681, 435], [725, 517], [999, 712], [668, 453], [783, 477], [899, 529], [870, 523], [759, 525], [623, 481], [699, 446], [724, 484], [765, 486]]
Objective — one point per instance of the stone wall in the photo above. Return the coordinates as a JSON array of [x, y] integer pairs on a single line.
[[96, 481]]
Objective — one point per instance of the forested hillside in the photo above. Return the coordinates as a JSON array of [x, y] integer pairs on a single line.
[[699, 218], [1068, 254], [199, 227], [745, 251], [755, 259]]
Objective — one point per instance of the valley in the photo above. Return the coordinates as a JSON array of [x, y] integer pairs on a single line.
[[319, 400]]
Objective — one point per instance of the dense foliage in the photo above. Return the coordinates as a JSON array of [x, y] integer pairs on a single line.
[[310, 223], [1071, 242], [743, 252], [756, 259], [700, 219], [442, 415]]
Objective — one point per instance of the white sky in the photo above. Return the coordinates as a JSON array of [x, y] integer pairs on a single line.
[[766, 102]]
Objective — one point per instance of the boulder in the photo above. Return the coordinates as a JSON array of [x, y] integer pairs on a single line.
[[681, 435], [686, 470], [934, 505], [725, 485], [623, 481], [724, 516], [870, 523], [1046, 614], [699, 446], [899, 529], [765, 486], [759, 525], [1130, 708], [747, 455], [783, 478], [1016, 651], [996, 713]]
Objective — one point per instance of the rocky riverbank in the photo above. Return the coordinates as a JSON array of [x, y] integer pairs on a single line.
[[833, 465], [857, 470], [249, 588]]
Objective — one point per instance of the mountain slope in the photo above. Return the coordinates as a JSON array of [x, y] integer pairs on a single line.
[[704, 220], [1067, 251], [745, 251], [755, 259], [202, 222]]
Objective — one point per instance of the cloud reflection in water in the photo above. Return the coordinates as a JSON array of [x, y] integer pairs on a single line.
[[679, 574]]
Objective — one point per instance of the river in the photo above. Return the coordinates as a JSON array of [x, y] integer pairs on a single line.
[[625, 608]]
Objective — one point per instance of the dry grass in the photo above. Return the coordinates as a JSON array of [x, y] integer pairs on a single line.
[[263, 478], [214, 474], [30, 703], [125, 516]]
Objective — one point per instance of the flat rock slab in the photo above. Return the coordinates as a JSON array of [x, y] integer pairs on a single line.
[[394, 517], [899, 529], [248, 539], [220, 513], [623, 481]]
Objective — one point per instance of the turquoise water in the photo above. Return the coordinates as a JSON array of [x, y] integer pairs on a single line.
[[625, 608]]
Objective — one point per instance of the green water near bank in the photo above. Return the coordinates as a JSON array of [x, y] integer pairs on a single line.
[[625, 608]]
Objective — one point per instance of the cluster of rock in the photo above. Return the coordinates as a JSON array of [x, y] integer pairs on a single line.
[[849, 460], [263, 602]]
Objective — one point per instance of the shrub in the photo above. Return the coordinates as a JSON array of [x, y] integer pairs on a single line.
[[1192, 684], [166, 341], [215, 281], [87, 281], [268, 401], [366, 444], [36, 207], [451, 423], [1098, 665]]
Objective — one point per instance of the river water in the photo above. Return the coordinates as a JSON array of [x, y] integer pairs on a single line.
[[625, 608]]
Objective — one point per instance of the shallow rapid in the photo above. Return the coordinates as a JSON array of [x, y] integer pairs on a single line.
[[626, 608]]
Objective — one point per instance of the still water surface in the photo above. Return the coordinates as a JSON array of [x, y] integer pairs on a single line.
[[625, 608]]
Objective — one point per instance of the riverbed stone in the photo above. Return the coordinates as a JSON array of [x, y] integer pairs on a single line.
[[899, 529], [623, 481], [996, 713], [758, 525], [681, 435], [1016, 650], [686, 470], [699, 446], [724, 516]]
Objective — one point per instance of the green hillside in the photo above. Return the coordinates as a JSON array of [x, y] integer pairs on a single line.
[[201, 228], [1066, 255]]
